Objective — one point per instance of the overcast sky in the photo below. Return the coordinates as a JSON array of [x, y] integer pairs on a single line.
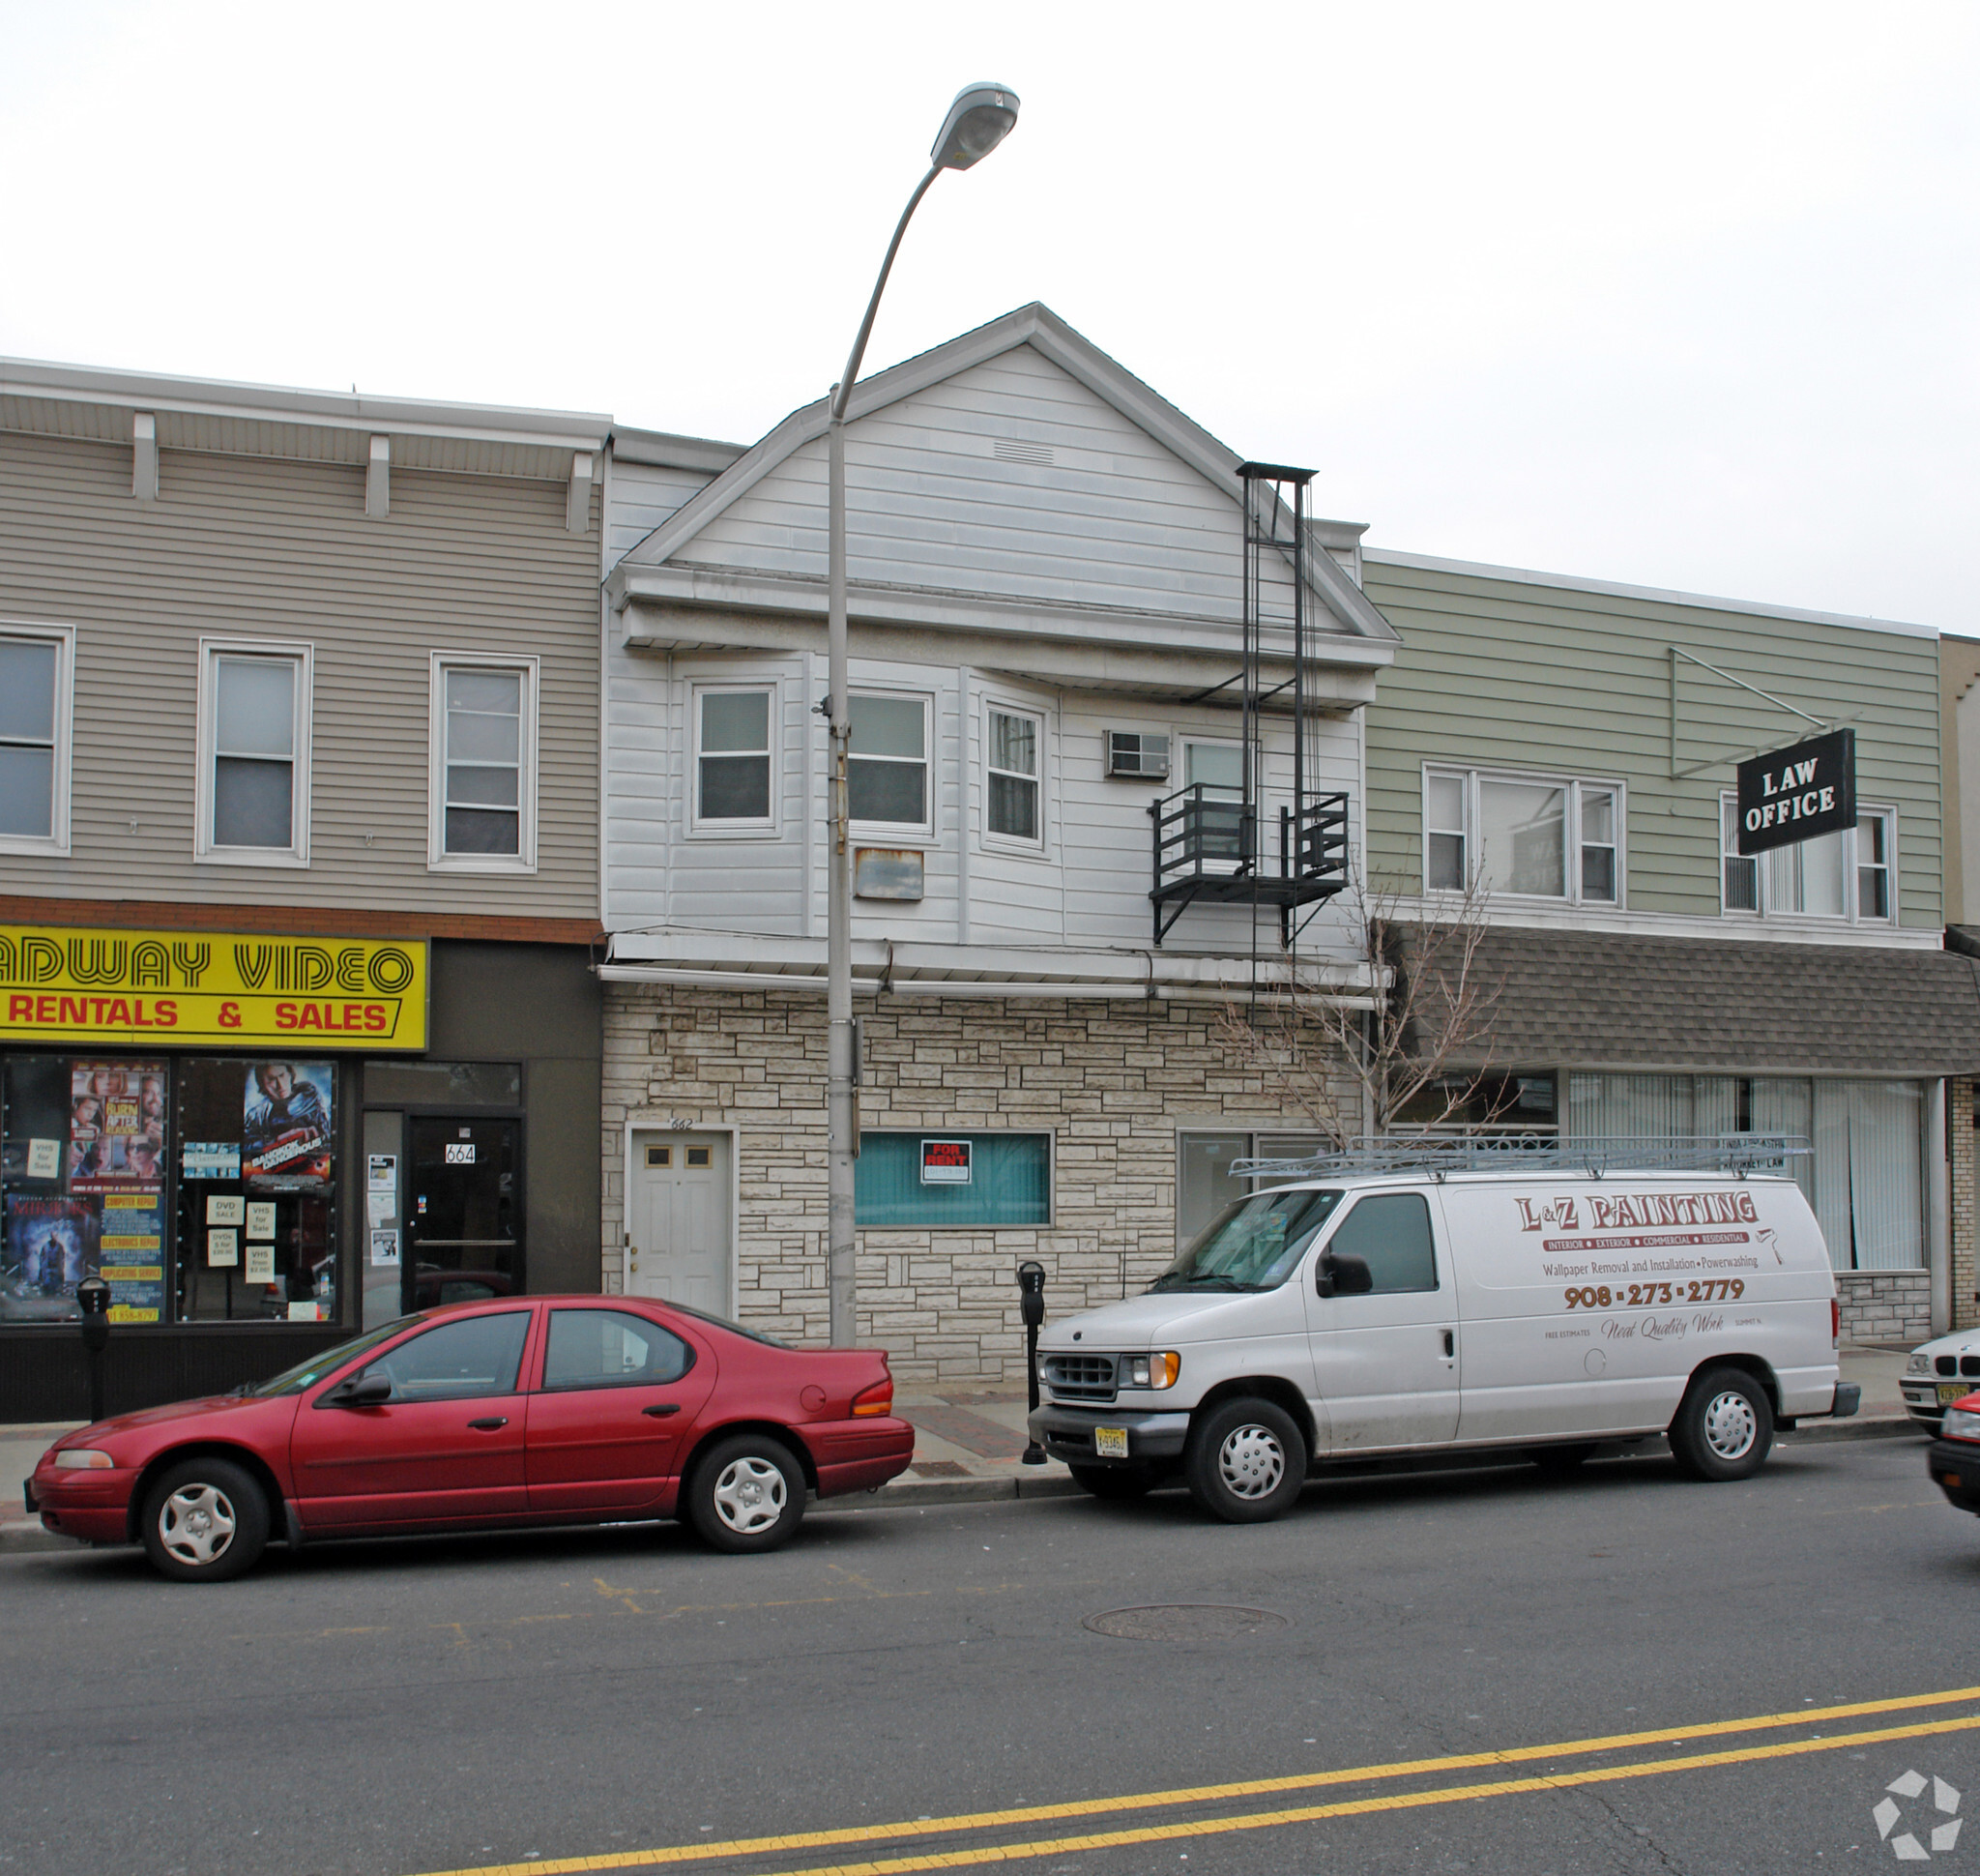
[[1677, 295]]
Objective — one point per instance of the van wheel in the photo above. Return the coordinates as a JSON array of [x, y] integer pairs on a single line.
[[1114, 1481], [1245, 1462], [205, 1521], [1725, 1427]]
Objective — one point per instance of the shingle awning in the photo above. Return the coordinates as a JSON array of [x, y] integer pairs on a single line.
[[1618, 1001]]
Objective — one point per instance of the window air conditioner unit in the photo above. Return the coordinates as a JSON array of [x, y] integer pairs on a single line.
[[1137, 755]]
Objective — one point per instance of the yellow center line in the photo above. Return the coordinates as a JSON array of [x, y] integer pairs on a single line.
[[1032, 1814], [1347, 1807]]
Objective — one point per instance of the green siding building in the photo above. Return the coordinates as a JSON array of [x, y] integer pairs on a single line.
[[1567, 748]]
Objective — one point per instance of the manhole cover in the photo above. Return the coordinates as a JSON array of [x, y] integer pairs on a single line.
[[1183, 1622]]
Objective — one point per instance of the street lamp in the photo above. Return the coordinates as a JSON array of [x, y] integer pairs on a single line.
[[977, 122]]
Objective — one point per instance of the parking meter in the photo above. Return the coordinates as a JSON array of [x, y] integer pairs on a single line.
[[93, 1298], [1030, 1283]]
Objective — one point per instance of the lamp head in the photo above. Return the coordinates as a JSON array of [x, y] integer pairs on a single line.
[[977, 122]]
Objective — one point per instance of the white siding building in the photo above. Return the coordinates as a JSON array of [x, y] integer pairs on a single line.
[[1046, 599]]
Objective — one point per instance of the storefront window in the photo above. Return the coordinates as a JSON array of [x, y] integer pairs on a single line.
[[1865, 1175], [83, 1173], [256, 1175]]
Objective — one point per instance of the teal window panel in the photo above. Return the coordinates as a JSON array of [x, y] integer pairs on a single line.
[[1010, 1181]]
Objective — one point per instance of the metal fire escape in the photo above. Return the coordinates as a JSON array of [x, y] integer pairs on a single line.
[[1208, 844]]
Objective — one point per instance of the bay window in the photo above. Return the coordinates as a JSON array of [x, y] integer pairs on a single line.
[[886, 764]]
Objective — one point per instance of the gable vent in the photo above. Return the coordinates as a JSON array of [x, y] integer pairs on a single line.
[[1005, 450]]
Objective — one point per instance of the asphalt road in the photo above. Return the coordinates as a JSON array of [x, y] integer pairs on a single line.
[[865, 1696]]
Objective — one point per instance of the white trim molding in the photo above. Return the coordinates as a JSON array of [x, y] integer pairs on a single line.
[[54, 844]]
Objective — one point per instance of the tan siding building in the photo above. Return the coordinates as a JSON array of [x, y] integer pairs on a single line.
[[303, 688]]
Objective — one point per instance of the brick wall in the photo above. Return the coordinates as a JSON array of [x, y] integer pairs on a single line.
[[1885, 1305], [1110, 1080]]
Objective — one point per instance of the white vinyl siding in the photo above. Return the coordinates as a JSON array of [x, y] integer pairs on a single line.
[[253, 783], [1523, 835], [1846, 877], [37, 685], [483, 765]]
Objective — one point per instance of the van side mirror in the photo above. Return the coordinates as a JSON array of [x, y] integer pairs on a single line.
[[1341, 1273], [361, 1390]]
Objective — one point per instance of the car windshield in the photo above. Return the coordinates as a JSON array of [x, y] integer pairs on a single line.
[[306, 1374], [1252, 1244]]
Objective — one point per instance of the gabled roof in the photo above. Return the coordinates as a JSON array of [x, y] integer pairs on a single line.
[[1039, 327]]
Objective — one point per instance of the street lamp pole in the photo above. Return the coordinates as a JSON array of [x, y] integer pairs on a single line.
[[977, 122]]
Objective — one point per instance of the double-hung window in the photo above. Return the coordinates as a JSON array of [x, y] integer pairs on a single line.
[[734, 757], [887, 766], [1012, 808], [35, 666], [1530, 836], [482, 764], [253, 805], [1849, 875]]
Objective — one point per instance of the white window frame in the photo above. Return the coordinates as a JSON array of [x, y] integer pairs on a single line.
[[897, 834], [1472, 778], [438, 858], [55, 842], [1013, 842], [1886, 812], [701, 827], [270, 650], [1186, 739]]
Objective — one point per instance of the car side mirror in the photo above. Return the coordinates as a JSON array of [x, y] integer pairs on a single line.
[[1340, 1273], [361, 1391]]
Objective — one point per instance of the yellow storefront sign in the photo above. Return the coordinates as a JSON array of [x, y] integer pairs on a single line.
[[69, 985]]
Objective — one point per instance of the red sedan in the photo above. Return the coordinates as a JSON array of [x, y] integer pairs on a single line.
[[511, 1411]]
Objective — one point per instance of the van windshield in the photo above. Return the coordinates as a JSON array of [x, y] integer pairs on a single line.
[[1253, 1244]]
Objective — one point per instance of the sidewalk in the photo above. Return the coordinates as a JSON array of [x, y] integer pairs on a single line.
[[967, 1446]]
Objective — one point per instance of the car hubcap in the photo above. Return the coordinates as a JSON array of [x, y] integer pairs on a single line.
[[750, 1495], [1730, 1425], [1252, 1463], [196, 1524]]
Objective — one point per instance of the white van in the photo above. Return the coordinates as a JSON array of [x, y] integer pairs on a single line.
[[1424, 1313]]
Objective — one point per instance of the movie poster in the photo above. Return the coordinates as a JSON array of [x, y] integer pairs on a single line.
[[116, 1124], [50, 1246], [285, 1127]]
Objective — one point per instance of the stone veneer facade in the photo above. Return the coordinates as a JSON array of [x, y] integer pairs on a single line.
[[1111, 1081]]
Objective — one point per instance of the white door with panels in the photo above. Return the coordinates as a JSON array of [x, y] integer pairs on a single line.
[[677, 1220]]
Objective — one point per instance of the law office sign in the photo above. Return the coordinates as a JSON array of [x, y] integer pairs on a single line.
[[1798, 794]]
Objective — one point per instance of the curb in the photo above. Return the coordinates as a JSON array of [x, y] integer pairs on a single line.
[[951, 1491], [1875, 1426]]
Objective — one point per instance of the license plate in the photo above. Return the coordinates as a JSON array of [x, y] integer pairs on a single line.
[[1110, 1441], [1952, 1390]]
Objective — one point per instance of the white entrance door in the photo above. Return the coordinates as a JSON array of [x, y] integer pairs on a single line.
[[677, 1216]]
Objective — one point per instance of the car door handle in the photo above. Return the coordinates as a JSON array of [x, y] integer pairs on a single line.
[[489, 1425], [1450, 1342], [660, 1409]]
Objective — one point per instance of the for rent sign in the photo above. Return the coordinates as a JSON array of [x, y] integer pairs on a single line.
[[1798, 794], [68, 985]]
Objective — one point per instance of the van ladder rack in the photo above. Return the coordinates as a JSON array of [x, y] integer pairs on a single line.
[[1591, 1154]]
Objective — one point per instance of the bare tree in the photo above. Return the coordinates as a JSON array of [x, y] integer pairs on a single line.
[[1354, 1064]]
